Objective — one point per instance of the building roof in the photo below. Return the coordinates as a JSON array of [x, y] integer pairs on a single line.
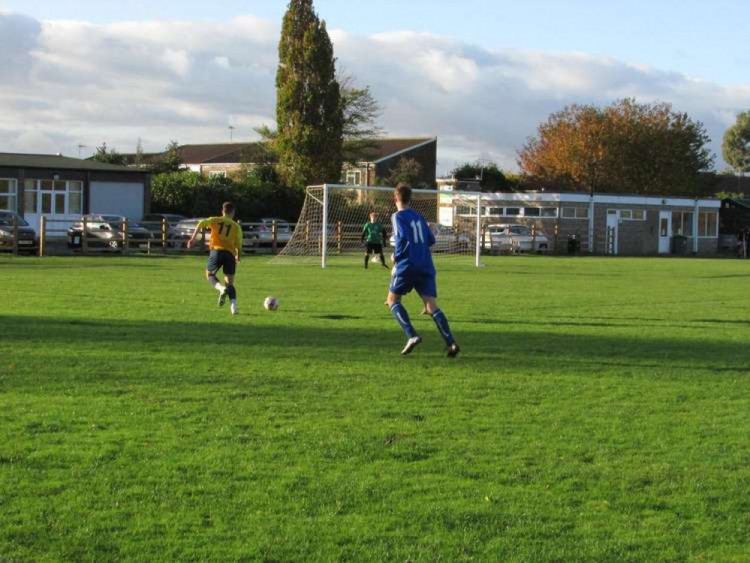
[[380, 149], [58, 162], [236, 153]]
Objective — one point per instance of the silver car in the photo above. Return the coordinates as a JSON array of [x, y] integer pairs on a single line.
[[515, 238]]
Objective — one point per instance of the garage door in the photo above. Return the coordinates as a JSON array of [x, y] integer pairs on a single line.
[[115, 198]]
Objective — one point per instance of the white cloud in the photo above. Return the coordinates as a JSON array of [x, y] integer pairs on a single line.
[[69, 82]]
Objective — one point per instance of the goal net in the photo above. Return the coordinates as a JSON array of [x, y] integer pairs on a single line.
[[332, 218]]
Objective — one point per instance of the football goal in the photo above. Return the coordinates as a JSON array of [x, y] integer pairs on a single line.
[[333, 216]]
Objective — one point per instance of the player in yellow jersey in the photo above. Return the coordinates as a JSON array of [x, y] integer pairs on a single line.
[[225, 245]]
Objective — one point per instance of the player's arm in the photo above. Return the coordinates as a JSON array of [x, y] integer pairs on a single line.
[[198, 228], [400, 242], [364, 233], [238, 243], [430, 235]]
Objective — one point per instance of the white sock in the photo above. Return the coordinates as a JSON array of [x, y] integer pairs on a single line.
[[234, 303], [219, 287]]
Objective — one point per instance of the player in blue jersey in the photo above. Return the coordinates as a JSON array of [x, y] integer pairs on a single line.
[[413, 269]]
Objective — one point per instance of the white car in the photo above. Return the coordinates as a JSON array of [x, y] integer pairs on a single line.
[[446, 240], [515, 238]]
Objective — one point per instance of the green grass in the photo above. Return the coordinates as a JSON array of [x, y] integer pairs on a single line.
[[600, 411]]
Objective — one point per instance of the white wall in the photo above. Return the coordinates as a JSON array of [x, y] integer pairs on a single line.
[[117, 198]]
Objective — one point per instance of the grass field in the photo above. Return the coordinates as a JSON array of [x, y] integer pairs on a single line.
[[600, 411]]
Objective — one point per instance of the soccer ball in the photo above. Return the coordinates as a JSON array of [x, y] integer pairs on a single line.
[[271, 304]]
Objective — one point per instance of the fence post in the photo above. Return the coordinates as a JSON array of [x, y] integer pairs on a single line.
[[533, 238], [42, 235], [125, 235], [273, 237], [15, 234], [85, 236], [164, 231]]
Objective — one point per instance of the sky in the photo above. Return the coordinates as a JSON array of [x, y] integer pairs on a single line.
[[480, 75]]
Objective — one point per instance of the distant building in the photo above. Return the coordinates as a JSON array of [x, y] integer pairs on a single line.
[[62, 188], [631, 225], [379, 159]]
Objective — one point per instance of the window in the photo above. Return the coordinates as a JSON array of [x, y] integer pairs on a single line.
[[58, 197], [632, 214], [217, 174], [496, 210], [531, 212], [549, 211], [575, 212], [708, 223], [682, 223], [354, 178], [512, 211], [8, 195], [465, 210]]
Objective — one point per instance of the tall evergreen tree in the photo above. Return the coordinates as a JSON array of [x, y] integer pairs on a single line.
[[308, 100]]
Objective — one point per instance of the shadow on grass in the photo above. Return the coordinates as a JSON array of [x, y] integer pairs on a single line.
[[533, 349]]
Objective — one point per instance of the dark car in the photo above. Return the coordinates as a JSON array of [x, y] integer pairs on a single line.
[[105, 231], [154, 221], [11, 222]]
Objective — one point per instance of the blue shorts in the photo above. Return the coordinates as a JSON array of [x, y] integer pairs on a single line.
[[403, 282], [221, 260]]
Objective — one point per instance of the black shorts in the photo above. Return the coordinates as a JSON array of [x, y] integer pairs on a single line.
[[374, 247], [221, 260]]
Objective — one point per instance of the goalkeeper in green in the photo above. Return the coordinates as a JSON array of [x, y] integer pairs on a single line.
[[374, 237]]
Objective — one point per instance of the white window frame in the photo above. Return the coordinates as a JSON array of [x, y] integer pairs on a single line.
[[703, 225], [683, 223], [12, 195], [579, 213], [37, 188], [217, 174], [353, 177], [629, 214]]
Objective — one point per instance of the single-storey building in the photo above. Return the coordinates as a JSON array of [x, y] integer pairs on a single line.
[[630, 225], [62, 188]]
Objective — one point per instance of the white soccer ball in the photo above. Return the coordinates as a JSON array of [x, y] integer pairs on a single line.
[[271, 304]]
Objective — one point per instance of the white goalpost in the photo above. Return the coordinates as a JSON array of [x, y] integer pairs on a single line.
[[333, 215]]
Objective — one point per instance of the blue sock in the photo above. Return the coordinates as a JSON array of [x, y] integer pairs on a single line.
[[231, 292], [402, 317], [442, 323]]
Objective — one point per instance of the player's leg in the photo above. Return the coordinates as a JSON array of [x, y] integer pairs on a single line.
[[382, 257], [212, 267], [230, 267], [428, 292], [399, 287], [367, 254]]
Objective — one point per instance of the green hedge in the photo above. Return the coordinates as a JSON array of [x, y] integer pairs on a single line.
[[194, 195]]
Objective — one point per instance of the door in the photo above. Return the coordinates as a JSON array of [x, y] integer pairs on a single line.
[[613, 227], [665, 231]]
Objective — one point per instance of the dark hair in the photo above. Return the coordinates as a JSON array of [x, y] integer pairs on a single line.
[[227, 208], [404, 193]]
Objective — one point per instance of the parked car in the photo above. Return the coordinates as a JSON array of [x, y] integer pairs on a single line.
[[515, 238], [153, 222], [263, 231], [446, 239], [27, 241], [105, 231], [183, 230]]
